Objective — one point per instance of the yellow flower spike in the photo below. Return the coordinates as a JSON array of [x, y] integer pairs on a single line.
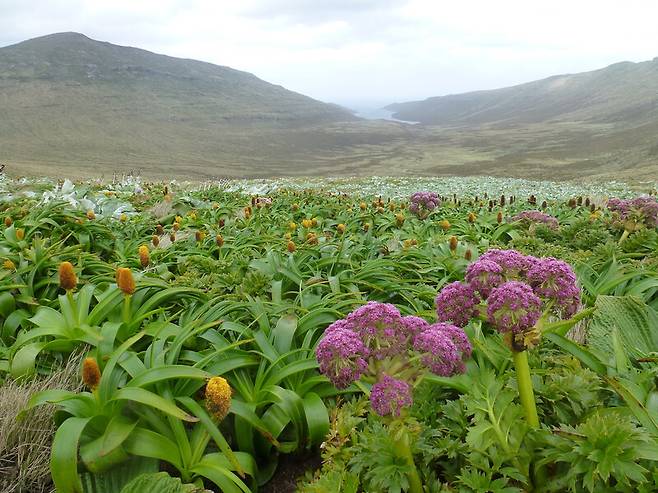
[[67, 278], [178, 219], [192, 215], [295, 207], [9, 265], [199, 236], [499, 217], [314, 222], [215, 205], [218, 398], [363, 206], [123, 217], [175, 226], [380, 209], [306, 223], [453, 243], [444, 224], [247, 212], [20, 234], [144, 256], [471, 217], [219, 240], [399, 219], [292, 226], [340, 228], [159, 230], [291, 247], [91, 215], [91, 373], [391, 206], [366, 227], [8, 221], [155, 241], [125, 281]]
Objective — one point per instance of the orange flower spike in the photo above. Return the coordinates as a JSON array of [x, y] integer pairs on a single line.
[[155, 241], [125, 281], [218, 398], [67, 278], [8, 221], [291, 247], [219, 240], [453, 243], [144, 256], [91, 373]]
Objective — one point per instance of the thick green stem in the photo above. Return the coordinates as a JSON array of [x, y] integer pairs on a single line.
[[524, 382], [624, 236], [403, 450], [126, 309]]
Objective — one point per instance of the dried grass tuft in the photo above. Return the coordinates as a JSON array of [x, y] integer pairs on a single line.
[[25, 443]]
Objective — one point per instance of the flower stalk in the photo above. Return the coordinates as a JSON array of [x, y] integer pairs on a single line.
[[526, 392]]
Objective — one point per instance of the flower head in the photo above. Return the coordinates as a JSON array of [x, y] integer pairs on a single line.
[[144, 256], [67, 278], [218, 397], [91, 374], [536, 217], [422, 203], [390, 396], [380, 327], [341, 355], [514, 264], [444, 348], [125, 280], [555, 280], [513, 307], [484, 275], [456, 303]]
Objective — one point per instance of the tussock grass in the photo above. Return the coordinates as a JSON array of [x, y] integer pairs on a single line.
[[25, 441]]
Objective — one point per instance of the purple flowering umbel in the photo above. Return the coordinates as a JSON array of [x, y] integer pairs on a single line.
[[422, 203], [511, 291], [376, 344], [533, 218]]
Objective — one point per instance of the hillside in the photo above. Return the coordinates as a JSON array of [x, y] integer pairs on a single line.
[[622, 94], [66, 98]]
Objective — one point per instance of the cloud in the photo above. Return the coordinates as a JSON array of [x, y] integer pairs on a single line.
[[355, 51]]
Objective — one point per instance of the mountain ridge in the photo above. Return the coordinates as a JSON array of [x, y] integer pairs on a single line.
[[623, 91]]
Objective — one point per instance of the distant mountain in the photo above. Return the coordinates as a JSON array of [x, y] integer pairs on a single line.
[[624, 93], [67, 98]]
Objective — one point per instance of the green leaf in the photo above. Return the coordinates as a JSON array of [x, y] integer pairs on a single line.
[[148, 398], [586, 357], [64, 455], [158, 374]]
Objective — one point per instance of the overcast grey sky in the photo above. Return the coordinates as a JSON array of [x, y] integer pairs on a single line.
[[363, 52]]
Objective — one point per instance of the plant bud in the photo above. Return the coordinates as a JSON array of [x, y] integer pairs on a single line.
[[20, 234], [155, 241], [8, 221], [291, 247], [219, 241], [91, 215], [499, 218], [453, 243]]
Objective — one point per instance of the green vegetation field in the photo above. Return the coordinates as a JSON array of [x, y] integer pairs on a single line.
[[328, 336]]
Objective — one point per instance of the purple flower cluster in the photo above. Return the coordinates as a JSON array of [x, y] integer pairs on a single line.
[[444, 348], [390, 396], [342, 356], [536, 217], [381, 328], [637, 211], [514, 287], [375, 339], [423, 202], [457, 303], [555, 280], [513, 307]]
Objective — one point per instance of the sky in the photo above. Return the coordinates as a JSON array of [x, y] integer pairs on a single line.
[[363, 53]]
